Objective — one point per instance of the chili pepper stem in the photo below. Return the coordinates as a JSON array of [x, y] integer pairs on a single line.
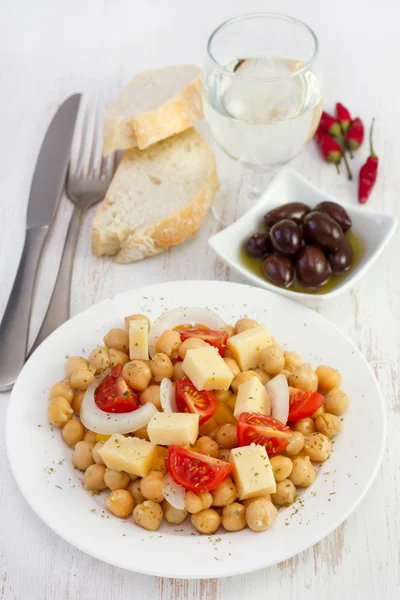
[[371, 147]]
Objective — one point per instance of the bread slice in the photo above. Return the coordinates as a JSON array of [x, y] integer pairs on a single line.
[[158, 198], [155, 105]]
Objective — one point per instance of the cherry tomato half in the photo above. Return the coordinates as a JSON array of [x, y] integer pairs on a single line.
[[211, 336], [190, 399], [114, 395], [194, 471], [263, 430], [303, 404]]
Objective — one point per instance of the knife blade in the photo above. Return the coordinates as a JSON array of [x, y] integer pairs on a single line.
[[46, 188]]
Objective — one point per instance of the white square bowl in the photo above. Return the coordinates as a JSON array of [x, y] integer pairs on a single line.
[[374, 229]]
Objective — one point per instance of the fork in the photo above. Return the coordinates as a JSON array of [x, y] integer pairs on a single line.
[[88, 179]]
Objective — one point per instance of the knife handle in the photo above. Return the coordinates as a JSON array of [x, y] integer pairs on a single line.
[[15, 324], [59, 306]]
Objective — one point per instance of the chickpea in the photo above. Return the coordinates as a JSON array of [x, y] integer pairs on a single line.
[[195, 502], [223, 415], [120, 503], [137, 374], [206, 521], [93, 478], [205, 445], [77, 402], [148, 515], [249, 500], [161, 366], [136, 318], [116, 480], [82, 378], [151, 394], [59, 411], [336, 402], [99, 359], [245, 324], [305, 426], [62, 389], [90, 436], [178, 372], [292, 360], [226, 436], [281, 466], [260, 514], [208, 427], [286, 373], [232, 366], [142, 433], [319, 412], [190, 344], [263, 375], [134, 490], [328, 378], [229, 330], [151, 486], [168, 343], [318, 447], [304, 378], [73, 364], [225, 493], [172, 514], [82, 456], [328, 424], [272, 360], [296, 443], [116, 357], [227, 353], [73, 432], [225, 454], [223, 395], [285, 493], [303, 472], [234, 517], [117, 338], [95, 453], [241, 378], [231, 402]]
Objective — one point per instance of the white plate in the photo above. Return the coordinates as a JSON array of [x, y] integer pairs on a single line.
[[35, 450], [374, 229]]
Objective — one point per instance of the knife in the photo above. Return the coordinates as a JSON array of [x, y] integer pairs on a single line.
[[46, 188]]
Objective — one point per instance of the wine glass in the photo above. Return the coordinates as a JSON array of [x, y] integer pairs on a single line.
[[262, 99]]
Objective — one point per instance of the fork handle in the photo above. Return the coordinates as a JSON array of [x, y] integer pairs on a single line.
[[59, 306]]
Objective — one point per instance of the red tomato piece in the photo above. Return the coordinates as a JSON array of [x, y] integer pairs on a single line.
[[190, 399], [210, 336], [303, 404], [263, 430], [194, 471], [114, 395]]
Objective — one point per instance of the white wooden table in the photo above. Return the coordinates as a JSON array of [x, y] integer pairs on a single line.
[[51, 49]]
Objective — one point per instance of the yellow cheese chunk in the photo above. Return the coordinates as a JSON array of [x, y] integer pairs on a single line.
[[252, 471], [173, 428], [246, 346], [252, 397], [138, 339], [206, 369], [128, 454]]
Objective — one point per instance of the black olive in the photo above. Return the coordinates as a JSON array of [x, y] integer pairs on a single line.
[[258, 245], [279, 270], [295, 211], [286, 236], [336, 212], [340, 259], [321, 230], [312, 268]]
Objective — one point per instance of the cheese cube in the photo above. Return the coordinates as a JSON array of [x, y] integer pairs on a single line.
[[206, 369], [138, 339], [252, 471], [246, 346], [252, 397], [173, 428], [128, 454]]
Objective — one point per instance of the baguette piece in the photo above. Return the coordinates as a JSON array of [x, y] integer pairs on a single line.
[[157, 198], [153, 106]]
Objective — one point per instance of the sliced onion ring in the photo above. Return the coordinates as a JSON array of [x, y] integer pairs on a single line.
[[174, 493], [278, 391], [167, 396], [108, 423], [178, 316]]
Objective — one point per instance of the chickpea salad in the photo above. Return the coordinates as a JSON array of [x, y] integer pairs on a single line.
[[191, 417]]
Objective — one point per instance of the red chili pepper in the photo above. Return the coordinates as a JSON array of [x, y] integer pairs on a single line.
[[330, 149], [368, 172], [343, 116], [329, 125], [355, 135]]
